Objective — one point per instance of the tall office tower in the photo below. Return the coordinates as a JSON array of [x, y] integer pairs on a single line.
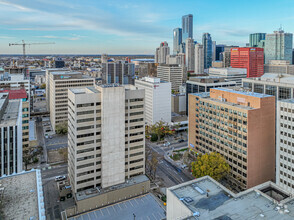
[[10, 135], [106, 136], [190, 54], [59, 83], [177, 40], [161, 52], [278, 46], [120, 72], [157, 99], [213, 50], [226, 58], [187, 27], [285, 144], [172, 73], [218, 50], [183, 47], [207, 46], [255, 39], [199, 59], [240, 125], [251, 58]]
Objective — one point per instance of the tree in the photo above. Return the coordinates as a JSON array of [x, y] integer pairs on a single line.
[[43, 86], [213, 165], [61, 128], [161, 128]]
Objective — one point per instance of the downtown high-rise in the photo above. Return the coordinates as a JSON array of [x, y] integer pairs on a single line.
[[255, 40], [187, 27], [278, 46], [177, 40], [207, 46]]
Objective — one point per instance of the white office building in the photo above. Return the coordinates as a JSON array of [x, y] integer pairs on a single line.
[[10, 135], [190, 54], [285, 144], [199, 59], [157, 99], [173, 73], [229, 74]]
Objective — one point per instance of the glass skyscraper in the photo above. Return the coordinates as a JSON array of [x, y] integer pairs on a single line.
[[255, 39], [177, 40], [207, 46], [278, 46], [187, 27]]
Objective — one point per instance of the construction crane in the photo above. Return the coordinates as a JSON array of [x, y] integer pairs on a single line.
[[23, 44]]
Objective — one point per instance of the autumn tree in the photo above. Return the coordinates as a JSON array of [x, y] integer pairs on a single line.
[[61, 128], [213, 165], [161, 128], [43, 86]]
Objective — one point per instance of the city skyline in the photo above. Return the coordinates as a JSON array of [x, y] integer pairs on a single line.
[[132, 27]]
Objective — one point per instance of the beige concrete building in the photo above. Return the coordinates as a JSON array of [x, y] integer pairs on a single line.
[[173, 73], [106, 136], [285, 144], [239, 125], [57, 92], [279, 66]]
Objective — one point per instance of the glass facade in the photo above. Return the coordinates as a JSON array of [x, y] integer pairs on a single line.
[[278, 46], [187, 27], [271, 90], [177, 40], [259, 88], [207, 46], [254, 39], [284, 93]]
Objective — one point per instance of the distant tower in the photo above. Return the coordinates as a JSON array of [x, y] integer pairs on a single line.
[[199, 59], [161, 52], [190, 54], [187, 27], [207, 46], [278, 46], [254, 39], [177, 40]]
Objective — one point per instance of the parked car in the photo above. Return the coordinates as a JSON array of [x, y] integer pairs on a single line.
[[60, 178], [166, 144], [181, 141]]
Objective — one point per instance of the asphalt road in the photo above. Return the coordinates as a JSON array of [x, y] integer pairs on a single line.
[[51, 196], [41, 141], [169, 174]]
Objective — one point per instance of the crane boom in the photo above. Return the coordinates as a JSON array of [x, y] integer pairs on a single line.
[[23, 44]]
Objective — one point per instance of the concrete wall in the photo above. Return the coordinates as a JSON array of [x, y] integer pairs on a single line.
[[113, 136], [175, 209], [109, 198]]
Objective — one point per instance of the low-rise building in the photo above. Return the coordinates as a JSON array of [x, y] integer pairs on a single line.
[[229, 74], [279, 66], [22, 196], [279, 85], [205, 198], [178, 103]]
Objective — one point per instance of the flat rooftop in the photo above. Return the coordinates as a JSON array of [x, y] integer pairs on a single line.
[[10, 115], [65, 73], [144, 207], [20, 196], [273, 78], [291, 101], [84, 90], [94, 192], [207, 199], [242, 92]]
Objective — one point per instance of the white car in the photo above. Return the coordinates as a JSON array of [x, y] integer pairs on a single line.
[[166, 144], [59, 178]]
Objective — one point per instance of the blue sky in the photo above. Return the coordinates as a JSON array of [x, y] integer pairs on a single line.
[[132, 27]]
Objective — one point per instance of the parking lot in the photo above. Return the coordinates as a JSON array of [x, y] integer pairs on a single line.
[[56, 142], [142, 208]]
